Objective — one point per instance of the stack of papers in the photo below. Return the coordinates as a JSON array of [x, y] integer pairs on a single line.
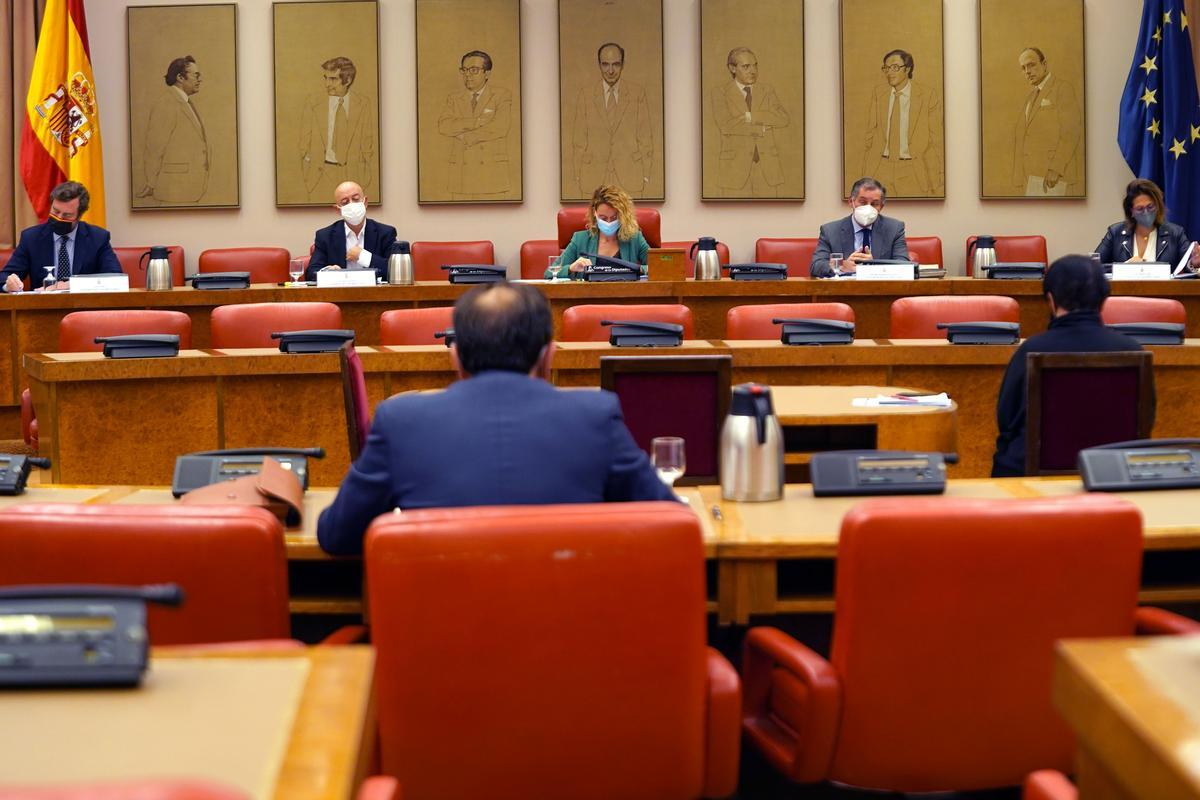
[[937, 400]]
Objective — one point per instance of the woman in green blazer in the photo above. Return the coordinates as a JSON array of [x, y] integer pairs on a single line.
[[612, 230]]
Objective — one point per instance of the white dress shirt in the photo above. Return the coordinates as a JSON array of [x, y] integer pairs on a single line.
[[357, 240]]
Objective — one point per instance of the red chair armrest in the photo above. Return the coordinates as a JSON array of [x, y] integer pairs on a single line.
[[791, 704], [1157, 622], [379, 787], [347, 634], [1048, 784], [723, 736]]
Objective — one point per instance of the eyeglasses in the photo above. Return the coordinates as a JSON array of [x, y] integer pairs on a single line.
[[471, 70], [891, 68]]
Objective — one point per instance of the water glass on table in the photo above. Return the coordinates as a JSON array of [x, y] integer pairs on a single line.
[[50, 280], [554, 266], [668, 457], [835, 263], [296, 269]]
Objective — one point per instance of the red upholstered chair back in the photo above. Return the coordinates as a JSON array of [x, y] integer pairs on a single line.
[[1080, 400], [251, 324], [722, 254], [573, 666], [78, 330], [265, 264], [5, 255], [535, 257], [754, 322], [230, 561], [134, 267], [354, 393], [917, 317], [582, 323], [167, 789], [947, 614], [574, 218], [428, 257], [414, 325], [925, 249], [1012, 248], [796, 253], [1142, 309]]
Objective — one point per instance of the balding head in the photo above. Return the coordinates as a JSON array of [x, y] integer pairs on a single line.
[[502, 326], [348, 192]]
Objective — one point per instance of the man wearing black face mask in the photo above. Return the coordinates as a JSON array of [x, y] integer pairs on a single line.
[[63, 241]]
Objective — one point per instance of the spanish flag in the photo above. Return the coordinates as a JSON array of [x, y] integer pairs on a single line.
[[61, 137]]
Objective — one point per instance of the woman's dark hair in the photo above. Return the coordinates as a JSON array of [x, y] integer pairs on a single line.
[[1151, 190], [1076, 283], [501, 326]]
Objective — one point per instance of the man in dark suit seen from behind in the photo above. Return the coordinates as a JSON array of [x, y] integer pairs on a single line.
[[354, 241], [1075, 289], [63, 241], [502, 435], [864, 235]]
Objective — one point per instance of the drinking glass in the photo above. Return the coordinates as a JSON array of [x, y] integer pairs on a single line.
[[835, 263], [554, 266], [49, 281], [296, 269], [667, 456], [1096, 259]]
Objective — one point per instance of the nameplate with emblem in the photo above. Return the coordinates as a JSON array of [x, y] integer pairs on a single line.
[[101, 282], [1141, 271], [332, 278], [877, 271]]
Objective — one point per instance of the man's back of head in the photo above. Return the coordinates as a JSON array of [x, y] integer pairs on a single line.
[[502, 326], [1076, 283]]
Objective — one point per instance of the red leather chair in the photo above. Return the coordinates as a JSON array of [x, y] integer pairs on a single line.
[[796, 253], [754, 322], [582, 323], [251, 324], [917, 317], [134, 267], [1142, 309], [925, 249], [428, 257], [5, 255], [1012, 248], [722, 254], [230, 561], [265, 264], [404, 326], [574, 218], [354, 393], [1049, 784], [574, 666], [535, 257], [940, 670], [150, 789]]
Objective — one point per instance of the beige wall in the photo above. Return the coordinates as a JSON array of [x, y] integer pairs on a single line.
[[1070, 226]]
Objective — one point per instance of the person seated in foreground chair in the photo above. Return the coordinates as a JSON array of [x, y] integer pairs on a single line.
[[864, 235], [1075, 289], [353, 241], [500, 436]]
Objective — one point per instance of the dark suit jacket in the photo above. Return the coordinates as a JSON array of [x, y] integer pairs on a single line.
[[498, 438], [1076, 332], [93, 253], [331, 247], [887, 241], [1117, 244]]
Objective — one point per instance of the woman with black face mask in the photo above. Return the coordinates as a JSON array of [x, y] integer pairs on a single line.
[[1144, 234]]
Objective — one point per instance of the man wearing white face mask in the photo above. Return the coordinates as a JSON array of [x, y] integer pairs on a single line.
[[864, 235], [354, 241]]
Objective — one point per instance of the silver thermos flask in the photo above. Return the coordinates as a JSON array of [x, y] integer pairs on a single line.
[[158, 270], [400, 265], [984, 255], [751, 447], [708, 266]]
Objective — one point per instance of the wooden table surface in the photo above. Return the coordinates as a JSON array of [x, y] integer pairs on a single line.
[[1134, 705]]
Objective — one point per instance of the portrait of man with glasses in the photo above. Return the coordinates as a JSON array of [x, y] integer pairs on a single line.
[[477, 121], [903, 138]]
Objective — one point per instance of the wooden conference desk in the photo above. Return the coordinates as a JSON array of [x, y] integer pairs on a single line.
[[107, 411], [31, 326], [291, 725], [1135, 707], [764, 558]]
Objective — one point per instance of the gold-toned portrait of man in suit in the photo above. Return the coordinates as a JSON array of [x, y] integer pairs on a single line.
[[477, 120], [1047, 131], [612, 139], [337, 133], [175, 158], [748, 113], [902, 143]]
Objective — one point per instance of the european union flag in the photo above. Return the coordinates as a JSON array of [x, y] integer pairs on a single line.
[[1159, 129]]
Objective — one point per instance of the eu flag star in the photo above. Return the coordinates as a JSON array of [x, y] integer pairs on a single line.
[[1148, 97], [1157, 34], [1155, 130], [1148, 64], [1195, 133], [1167, 17], [1177, 149]]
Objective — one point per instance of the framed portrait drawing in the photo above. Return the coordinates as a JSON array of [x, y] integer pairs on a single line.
[[183, 127], [610, 90], [326, 100], [752, 100], [893, 118], [1032, 120], [469, 101]]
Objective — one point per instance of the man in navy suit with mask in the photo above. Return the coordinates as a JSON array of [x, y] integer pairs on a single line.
[[353, 241], [63, 241]]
